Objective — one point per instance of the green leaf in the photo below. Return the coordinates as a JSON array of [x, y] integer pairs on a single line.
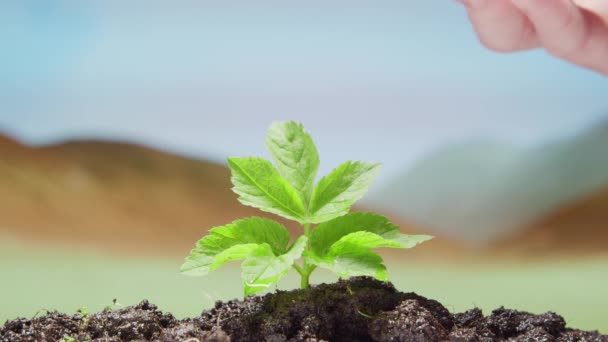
[[259, 185], [365, 240], [263, 267], [343, 245], [234, 241], [355, 261], [336, 193], [295, 155], [328, 233]]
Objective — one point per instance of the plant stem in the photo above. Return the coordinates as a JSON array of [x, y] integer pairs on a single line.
[[298, 268], [306, 269], [305, 283]]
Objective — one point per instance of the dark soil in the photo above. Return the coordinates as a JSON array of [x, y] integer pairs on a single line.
[[359, 309]]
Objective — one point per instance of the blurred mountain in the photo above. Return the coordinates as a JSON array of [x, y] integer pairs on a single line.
[[484, 192], [111, 193], [117, 196], [578, 228]]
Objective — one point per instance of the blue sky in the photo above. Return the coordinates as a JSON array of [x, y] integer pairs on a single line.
[[373, 80]]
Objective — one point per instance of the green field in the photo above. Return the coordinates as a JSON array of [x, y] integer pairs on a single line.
[[43, 278]]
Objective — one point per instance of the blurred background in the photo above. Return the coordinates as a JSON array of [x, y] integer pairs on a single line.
[[116, 119]]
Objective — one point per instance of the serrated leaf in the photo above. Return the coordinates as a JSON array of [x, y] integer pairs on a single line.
[[263, 267], [355, 261], [408, 241], [259, 185], [364, 240], [234, 241], [371, 240], [343, 245], [337, 192], [295, 155], [328, 233], [236, 252]]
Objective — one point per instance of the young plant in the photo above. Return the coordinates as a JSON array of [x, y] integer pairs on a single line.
[[341, 242]]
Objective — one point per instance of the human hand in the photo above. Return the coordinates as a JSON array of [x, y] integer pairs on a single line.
[[576, 31]]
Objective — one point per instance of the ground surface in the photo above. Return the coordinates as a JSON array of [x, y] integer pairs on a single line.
[[35, 278], [358, 309]]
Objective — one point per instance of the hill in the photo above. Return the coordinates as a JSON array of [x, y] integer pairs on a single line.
[[579, 228], [115, 196], [485, 191]]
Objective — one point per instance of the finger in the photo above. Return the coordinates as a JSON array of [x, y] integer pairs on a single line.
[[599, 7], [559, 24], [569, 32], [594, 53], [501, 26]]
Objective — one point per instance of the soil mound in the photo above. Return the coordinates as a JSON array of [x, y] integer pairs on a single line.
[[358, 309]]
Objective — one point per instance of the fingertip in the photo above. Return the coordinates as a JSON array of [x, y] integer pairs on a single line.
[[501, 27], [559, 24]]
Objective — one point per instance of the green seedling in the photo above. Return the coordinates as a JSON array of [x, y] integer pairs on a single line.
[[115, 305], [83, 312], [333, 238]]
